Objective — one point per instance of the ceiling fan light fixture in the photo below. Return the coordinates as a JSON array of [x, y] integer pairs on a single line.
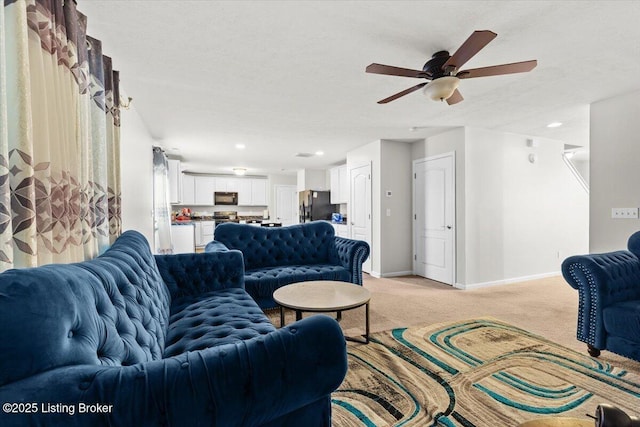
[[441, 88]]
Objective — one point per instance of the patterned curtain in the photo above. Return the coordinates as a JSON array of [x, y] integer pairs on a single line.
[[59, 137], [161, 203]]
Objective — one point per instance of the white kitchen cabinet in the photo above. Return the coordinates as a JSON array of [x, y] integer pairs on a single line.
[[343, 174], [183, 239], [206, 232], [339, 185], [252, 192], [259, 192], [244, 192], [227, 184], [204, 188], [188, 189], [175, 182], [341, 230]]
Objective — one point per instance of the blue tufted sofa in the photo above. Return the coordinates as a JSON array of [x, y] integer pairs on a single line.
[[129, 340], [274, 257], [609, 299]]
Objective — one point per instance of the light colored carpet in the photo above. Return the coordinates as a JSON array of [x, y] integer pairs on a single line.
[[546, 307]]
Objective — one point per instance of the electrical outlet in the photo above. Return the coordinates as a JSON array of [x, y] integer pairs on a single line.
[[624, 213]]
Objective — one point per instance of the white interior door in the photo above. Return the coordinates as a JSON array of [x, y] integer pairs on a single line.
[[434, 218], [287, 204], [360, 208]]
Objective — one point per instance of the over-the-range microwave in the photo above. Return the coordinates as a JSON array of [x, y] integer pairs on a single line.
[[225, 198]]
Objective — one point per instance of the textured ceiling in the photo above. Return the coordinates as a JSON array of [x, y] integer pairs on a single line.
[[288, 77]]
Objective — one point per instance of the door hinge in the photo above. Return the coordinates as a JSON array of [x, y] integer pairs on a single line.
[[415, 176], [415, 257], [415, 216]]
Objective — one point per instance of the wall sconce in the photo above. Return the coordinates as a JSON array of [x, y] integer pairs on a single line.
[[126, 104]]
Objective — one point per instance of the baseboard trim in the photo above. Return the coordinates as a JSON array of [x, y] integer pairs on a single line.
[[507, 281], [398, 273], [375, 274]]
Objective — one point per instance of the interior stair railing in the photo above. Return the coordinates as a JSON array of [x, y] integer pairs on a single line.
[[575, 172]]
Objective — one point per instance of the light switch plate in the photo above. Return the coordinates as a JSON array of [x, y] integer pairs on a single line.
[[624, 213]]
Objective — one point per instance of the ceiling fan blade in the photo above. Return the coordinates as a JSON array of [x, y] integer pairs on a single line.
[[476, 41], [403, 93], [455, 98], [496, 70], [395, 71]]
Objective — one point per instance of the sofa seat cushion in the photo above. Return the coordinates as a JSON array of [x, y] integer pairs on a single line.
[[261, 283], [212, 319], [623, 320]]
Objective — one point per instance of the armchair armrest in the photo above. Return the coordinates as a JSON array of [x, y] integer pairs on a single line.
[[601, 280], [246, 383], [215, 246], [192, 274], [352, 253]]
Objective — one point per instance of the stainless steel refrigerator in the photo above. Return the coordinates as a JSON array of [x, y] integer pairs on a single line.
[[315, 205]]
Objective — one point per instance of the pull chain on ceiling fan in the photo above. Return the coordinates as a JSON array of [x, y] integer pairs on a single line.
[[443, 73]]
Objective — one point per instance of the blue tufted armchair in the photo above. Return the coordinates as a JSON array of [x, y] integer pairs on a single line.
[[609, 299], [274, 257]]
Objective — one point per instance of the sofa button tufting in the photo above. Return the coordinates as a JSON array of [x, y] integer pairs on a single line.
[[185, 365], [70, 334], [84, 385]]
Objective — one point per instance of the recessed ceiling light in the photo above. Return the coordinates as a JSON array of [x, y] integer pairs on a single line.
[[240, 146], [319, 153], [554, 125]]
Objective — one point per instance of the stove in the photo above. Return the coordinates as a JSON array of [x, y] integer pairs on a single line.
[[225, 216]]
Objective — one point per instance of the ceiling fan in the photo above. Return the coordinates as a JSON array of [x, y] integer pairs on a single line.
[[443, 71]]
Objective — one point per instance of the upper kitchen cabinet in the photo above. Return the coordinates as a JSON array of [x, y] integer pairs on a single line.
[[175, 182], [204, 187], [228, 184], [252, 192], [188, 189], [339, 185]]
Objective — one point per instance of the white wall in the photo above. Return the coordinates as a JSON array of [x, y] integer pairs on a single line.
[[312, 179], [614, 171], [522, 218], [514, 219], [136, 169], [396, 249]]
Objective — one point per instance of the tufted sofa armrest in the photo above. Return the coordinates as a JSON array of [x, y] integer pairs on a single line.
[[193, 274], [601, 280], [215, 246], [220, 386], [352, 253]]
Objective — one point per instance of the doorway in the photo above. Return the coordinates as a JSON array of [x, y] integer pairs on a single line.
[[287, 204], [360, 208], [434, 218]]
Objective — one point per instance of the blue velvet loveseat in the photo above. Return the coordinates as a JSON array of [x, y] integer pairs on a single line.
[[129, 340], [278, 256], [609, 299]]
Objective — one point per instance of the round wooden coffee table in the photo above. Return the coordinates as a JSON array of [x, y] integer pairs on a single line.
[[322, 296]]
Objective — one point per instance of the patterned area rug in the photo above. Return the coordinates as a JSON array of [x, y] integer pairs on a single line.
[[479, 372]]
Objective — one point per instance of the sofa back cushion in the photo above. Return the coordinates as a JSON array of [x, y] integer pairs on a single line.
[[301, 244], [109, 311]]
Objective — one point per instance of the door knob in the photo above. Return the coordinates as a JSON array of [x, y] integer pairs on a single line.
[[448, 227]]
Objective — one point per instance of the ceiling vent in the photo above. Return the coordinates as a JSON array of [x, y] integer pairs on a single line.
[[304, 155]]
